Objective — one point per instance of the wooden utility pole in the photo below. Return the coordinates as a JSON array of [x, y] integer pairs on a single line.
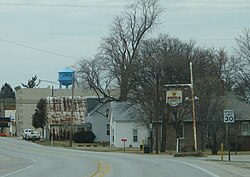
[[72, 113]]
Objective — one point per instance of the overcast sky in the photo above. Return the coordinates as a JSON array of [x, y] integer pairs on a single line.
[[43, 37]]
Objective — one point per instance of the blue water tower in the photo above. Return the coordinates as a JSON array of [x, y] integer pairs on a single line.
[[66, 77]]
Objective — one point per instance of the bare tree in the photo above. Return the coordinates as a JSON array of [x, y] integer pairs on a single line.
[[243, 45], [94, 75], [120, 49], [161, 61], [209, 112], [243, 55]]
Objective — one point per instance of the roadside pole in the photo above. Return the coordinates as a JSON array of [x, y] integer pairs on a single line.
[[151, 137], [52, 140], [228, 119], [174, 97], [142, 145], [222, 151], [72, 112], [229, 142], [124, 141]]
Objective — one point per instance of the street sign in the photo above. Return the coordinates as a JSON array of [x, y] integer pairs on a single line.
[[228, 116], [124, 139], [174, 97]]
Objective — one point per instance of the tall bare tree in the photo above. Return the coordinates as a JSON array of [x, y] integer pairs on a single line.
[[209, 112], [94, 75], [120, 49], [243, 54], [163, 60], [243, 45]]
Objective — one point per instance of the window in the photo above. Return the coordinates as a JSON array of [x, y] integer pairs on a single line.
[[113, 137], [181, 131], [108, 129], [107, 113], [135, 137], [245, 129]]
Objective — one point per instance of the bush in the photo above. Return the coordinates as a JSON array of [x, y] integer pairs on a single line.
[[84, 137]]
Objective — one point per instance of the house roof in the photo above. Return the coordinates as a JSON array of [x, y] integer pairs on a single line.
[[92, 104], [125, 111], [241, 108]]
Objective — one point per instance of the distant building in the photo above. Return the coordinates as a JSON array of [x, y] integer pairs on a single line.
[[59, 110], [240, 129], [8, 109], [27, 99], [60, 116]]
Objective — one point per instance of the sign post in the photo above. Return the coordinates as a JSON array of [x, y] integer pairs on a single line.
[[124, 141], [174, 100], [228, 119]]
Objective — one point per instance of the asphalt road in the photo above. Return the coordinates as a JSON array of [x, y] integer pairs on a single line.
[[19, 158]]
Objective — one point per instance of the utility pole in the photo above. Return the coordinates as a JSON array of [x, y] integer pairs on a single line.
[[193, 107], [193, 102], [72, 113], [157, 115]]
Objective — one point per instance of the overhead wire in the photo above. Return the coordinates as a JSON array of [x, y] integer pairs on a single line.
[[106, 5], [102, 5], [37, 49], [62, 5]]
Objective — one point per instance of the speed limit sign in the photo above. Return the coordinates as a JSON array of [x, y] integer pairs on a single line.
[[228, 116]]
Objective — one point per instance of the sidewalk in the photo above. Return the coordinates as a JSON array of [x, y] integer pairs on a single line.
[[239, 162], [233, 158]]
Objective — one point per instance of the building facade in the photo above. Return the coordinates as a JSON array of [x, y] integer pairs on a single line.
[[27, 99], [125, 125], [97, 117]]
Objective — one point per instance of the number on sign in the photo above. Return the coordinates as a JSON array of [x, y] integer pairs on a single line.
[[228, 116]]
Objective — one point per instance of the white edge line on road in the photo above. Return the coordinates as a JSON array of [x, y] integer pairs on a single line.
[[202, 169], [17, 171]]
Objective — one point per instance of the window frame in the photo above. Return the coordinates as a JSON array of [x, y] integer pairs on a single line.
[[245, 131], [135, 135]]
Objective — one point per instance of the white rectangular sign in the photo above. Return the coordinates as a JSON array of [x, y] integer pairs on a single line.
[[228, 116]]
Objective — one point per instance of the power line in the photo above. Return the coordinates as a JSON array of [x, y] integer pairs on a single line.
[[213, 2], [62, 5], [209, 9], [37, 49], [227, 5]]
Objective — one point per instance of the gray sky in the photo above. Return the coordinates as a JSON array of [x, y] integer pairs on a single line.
[[43, 37]]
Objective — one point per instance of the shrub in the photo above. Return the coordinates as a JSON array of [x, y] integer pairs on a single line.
[[84, 137]]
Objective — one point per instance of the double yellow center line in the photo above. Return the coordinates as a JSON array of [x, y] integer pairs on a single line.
[[103, 169]]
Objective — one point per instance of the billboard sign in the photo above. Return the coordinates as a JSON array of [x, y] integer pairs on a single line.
[[174, 97]]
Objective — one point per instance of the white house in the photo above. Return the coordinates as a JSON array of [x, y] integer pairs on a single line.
[[125, 124], [97, 116]]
